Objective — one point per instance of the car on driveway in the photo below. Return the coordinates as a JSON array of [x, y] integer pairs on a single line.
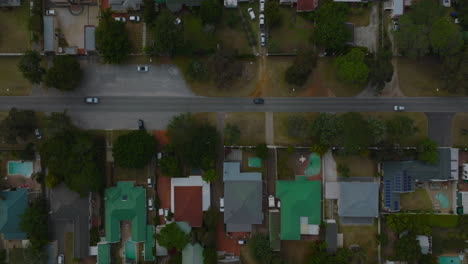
[[141, 124], [135, 18], [37, 133], [91, 100], [142, 68], [251, 13], [258, 101], [262, 20], [120, 19], [262, 6], [61, 259], [50, 12], [399, 108], [262, 39]]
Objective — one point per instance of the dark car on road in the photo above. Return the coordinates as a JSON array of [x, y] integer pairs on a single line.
[[258, 101], [141, 124]]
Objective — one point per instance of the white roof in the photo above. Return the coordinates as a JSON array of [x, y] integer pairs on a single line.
[[464, 202], [398, 7], [332, 190], [192, 181], [454, 163], [93, 251], [230, 3]]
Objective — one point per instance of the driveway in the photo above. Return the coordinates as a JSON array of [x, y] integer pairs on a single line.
[[72, 26], [329, 167], [439, 127], [367, 36]]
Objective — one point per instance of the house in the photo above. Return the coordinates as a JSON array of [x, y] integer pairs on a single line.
[[124, 5], [396, 7], [358, 202], [401, 176], [10, 3], [306, 5], [49, 34], [192, 254], [189, 198], [90, 39], [12, 206], [177, 5], [331, 236], [425, 243], [127, 202], [242, 198], [300, 208]]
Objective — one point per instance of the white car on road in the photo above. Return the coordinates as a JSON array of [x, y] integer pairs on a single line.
[[251, 13], [399, 108]]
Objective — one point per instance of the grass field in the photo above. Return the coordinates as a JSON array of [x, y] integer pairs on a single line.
[[280, 127], [14, 28], [11, 79], [418, 200], [233, 36], [420, 77], [295, 252], [69, 248], [358, 166], [285, 172], [365, 237], [459, 122], [251, 125]]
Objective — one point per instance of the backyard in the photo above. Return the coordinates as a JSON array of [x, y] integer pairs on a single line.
[[418, 200], [251, 125], [358, 166], [14, 28], [365, 237], [17, 256], [11, 79]]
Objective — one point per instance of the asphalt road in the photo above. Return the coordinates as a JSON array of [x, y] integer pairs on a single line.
[[150, 104]]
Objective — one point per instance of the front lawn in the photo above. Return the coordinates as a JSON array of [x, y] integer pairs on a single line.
[[365, 237], [251, 125], [280, 128], [360, 16], [285, 172], [12, 81], [418, 200], [231, 33], [358, 166], [14, 28], [294, 33], [459, 122]]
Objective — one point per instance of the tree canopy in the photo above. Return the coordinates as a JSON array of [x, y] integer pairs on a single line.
[[65, 74], [411, 38], [34, 222], [446, 37], [135, 149], [211, 11], [172, 237], [381, 69], [319, 255], [18, 124], [326, 129], [112, 39], [352, 68], [400, 128], [209, 175], [299, 71], [225, 68], [272, 14], [168, 36], [455, 72], [261, 249], [427, 151], [408, 249], [261, 150], [149, 13], [330, 31], [30, 66], [57, 123], [356, 134]]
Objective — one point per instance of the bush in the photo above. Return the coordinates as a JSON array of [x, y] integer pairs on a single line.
[[28, 152], [343, 170], [52, 181], [197, 71], [209, 175], [351, 68], [299, 71], [261, 151], [135, 149], [94, 236], [65, 74], [210, 256]]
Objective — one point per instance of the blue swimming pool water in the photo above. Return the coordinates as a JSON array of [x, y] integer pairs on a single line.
[[20, 168], [449, 260], [443, 200]]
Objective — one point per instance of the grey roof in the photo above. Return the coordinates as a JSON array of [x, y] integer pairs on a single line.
[[90, 40], [356, 220], [242, 205], [331, 237], [10, 3], [358, 199], [49, 34], [176, 5], [125, 4]]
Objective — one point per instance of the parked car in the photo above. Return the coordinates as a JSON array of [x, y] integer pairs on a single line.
[[251, 13], [135, 18], [395, 25], [262, 39], [149, 182], [258, 101], [177, 21], [271, 201], [262, 6], [262, 20], [446, 3], [61, 259], [241, 241], [399, 108], [50, 12], [91, 100], [37, 133], [141, 124], [142, 68], [456, 21], [221, 204], [150, 204], [159, 155], [120, 19]]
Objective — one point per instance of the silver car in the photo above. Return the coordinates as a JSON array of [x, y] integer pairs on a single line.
[[142, 68]]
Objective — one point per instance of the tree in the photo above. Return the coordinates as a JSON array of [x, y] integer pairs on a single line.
[[400, 128], [426, 12], [209, 175], [28, 153], [112, 39], [343, 170], [168, 36], [197, 71], [428, 259], [33, 255], [326, 129], [408, 249], [272, 14], [198, 39], [351, 68], [135, 149], [170, 166], [297, 127], [455, 72], [30, 66], [299, 71], [356, 134], [381, 69], [211, 11], [225, 68], [330, 31], [34, 223], [149, 13], [18, 124], [58, 122], [176, 258], [446, 37], [378, 130], [65, 74], [319, 255], [261, 249], [411, 38], [172, 237], [232, 134], [210, 256], [261, 151], [427, 151]]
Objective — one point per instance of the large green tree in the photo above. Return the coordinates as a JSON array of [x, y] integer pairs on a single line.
[[381, 69], [326, 129], [330, 30], [425, 12], [427, 151], [211, 11], [34, 223], [30, 66], [400, 128], [352, 68], [18, 124], [446, 37], [112, 39], [232, 134], [135, 149], [57, 123], [408, 249], [273, 14], [261, 249], [356, 136], [149, 12], [412, 39], [299, 71], [171, 237], [378, 130], [65, 74], [168, 36], [455, 72]]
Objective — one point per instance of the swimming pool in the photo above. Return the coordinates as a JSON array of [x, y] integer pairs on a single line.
[[24, 168], [314, 165], [130, 250], [449, 260], [443, 200]]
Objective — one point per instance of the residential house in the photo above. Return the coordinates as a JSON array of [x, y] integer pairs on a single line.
[[300, 207], [125, 5], [396, 7], [177, 5], [306, 5], [401, 176], [189, 198], [12, 206], [242, 198], [10, 3]]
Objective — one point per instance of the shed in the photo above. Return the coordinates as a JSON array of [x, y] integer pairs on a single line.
[[49, 34], [331, 236], [90, 39]]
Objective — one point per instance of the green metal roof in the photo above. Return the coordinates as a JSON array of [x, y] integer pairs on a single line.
[[255, 162], [192, 254], [12, 206], [149, 244], [103, 256], [298, 199], [125, 202]]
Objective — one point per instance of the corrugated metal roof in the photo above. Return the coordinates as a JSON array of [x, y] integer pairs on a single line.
[[358, 199], [192, 254], [12, 206], [331, 236], [49, 34], [103, 256], [90, 40], [149, 244]]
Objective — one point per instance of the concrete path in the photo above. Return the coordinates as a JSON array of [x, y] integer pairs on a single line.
[[367, 36], [329, 167], [269, 129]]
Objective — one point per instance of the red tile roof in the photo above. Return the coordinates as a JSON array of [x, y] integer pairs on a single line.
[[188, 205], [307, 5]]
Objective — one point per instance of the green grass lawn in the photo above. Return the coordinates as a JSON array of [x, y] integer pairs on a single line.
[[251, 125], [421, 77], [446, 221], [418, 200], [459, 122], [15, 35], [135, 33], [365, 237], [294, 33], [12, 81], [358, 166], [16, 256], [280, 128], [69, 248], [233, 36]]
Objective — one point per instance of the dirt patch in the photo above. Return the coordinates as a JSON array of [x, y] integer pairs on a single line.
[[296, 252], [358, 166], [251, 125]]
